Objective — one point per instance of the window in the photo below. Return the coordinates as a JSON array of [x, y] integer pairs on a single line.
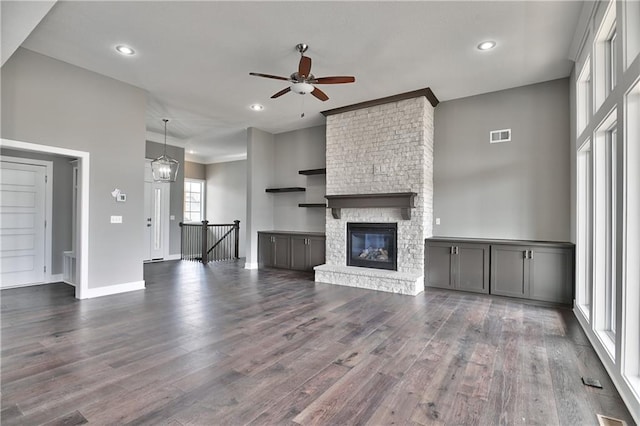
[[604, 55], [607, 208], [193, 200], [610, 229], [630, 329], [611, 60], [584, 96], [584, 244]]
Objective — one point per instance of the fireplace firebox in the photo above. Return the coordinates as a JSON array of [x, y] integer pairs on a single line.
[[372, 245]]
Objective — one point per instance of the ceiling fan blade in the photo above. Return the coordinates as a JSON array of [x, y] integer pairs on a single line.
[[304, 68], [319, 94], [282, 92], [333, 80], [257, 74]]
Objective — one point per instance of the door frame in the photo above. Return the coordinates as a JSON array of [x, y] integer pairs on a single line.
[[82, 226], [48, 212], [165, 211]]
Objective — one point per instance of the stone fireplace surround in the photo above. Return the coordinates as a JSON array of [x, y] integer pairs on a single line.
[[382, 148]]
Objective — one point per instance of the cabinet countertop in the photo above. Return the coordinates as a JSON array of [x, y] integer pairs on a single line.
[[501, 241], [294, 233]]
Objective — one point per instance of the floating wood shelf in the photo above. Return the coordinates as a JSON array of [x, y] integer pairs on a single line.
[[291, 189], [323, 205], [313, 172], [404, 200]]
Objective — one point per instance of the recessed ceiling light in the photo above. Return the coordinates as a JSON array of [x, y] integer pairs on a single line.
[[125, 50], [487, 45], [191, 151], [256, 107]]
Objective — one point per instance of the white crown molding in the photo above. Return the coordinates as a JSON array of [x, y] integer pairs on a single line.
[[225, 158]]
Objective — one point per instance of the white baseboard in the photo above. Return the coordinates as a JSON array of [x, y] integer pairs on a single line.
[[173, 257], [248, 265], [113, 289]]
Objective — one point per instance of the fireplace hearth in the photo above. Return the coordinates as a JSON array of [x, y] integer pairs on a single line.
[[372, 245]]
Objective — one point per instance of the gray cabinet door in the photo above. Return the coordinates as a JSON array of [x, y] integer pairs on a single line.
[[438, 265], [265, 250], [299, 253], [281, 251], [551, 275], [307, 252], [471, 267], [317, 252], [509, 271]]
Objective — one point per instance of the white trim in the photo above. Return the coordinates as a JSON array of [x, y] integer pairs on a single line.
[[623, 386], [55, 278], [114, 289], [253, 265], [48, 208], [82, 252], [173, 257]]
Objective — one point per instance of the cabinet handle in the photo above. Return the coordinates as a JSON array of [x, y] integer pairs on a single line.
[[457, 250], [452, 250], [530, 254], [526, 254]]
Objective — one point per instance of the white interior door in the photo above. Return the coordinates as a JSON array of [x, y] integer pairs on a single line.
[[22, 224], [156, 217]]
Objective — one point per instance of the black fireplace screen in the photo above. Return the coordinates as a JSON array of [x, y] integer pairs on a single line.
[[372, 245]]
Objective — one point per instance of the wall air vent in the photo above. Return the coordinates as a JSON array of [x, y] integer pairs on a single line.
[[498, 136]]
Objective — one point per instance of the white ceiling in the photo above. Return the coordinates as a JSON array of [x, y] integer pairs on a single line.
[[194, 58]]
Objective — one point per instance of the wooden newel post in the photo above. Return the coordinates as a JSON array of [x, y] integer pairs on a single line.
[[237, 227], [205, 225]]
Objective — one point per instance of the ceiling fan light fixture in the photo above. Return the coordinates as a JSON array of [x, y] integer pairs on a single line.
[[256, 107], [302, 88]]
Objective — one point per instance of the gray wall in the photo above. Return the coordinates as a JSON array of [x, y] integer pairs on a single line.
[[299, 150], [518, 189], [260, 175], [195, 170], [49, 102], [62, 200], [176, 193], [226, 195]]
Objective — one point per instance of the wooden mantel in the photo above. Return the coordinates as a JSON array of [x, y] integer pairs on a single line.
[[403, 200]]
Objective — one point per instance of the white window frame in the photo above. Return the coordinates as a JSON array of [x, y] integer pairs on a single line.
[[584, 96], [203, 188], [630, 314], [605, 248], [584, 234], [602, 66]]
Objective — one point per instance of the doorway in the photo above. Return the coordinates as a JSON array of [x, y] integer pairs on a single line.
[[82, 213]]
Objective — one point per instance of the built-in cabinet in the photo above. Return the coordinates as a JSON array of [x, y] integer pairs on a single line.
[[533, 270], [460, 266], [291, 250]]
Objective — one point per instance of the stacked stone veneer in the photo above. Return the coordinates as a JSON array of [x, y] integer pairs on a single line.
[[381, 149]]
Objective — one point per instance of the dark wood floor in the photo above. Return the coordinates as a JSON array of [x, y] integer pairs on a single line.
[[221, 345]]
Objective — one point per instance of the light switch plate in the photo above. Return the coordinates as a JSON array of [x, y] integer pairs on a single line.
[[116, 219], [437, 221]]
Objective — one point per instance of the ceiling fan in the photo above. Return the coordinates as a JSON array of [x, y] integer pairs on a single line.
[[303, 81]]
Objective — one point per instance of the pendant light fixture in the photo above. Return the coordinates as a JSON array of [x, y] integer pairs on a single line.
[[164, 168]]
